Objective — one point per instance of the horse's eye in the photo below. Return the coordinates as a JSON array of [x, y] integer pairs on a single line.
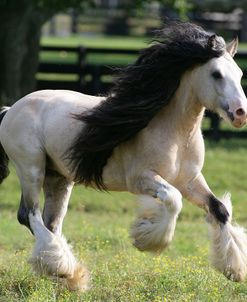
[[217, 75]]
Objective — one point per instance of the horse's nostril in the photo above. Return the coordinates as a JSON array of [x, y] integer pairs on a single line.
[[240, 112]]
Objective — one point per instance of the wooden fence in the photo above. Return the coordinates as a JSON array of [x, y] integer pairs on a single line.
[[95, 79], [90, 77]]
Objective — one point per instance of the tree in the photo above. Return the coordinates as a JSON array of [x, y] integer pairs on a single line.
[[20, 30], [219, 5]]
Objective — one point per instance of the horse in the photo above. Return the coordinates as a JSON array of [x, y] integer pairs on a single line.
[[144, 137]]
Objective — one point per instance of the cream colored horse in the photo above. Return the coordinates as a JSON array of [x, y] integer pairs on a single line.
[[160, 161]]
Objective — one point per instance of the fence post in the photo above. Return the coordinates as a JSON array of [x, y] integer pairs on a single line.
[[96, 81], [81, 68], [215, 126]]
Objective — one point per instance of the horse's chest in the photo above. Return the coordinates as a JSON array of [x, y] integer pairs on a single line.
[[168, 164], [190, 161], [181, 162]]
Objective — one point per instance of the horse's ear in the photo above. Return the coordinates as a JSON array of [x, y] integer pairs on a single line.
[[232, 47], [212, 41]]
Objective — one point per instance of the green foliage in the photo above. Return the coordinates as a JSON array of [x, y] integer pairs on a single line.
[[181, 6], [58, 5], [43, 5], [219, 5]]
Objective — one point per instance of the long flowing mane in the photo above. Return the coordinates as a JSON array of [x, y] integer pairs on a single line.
[[139, 92]]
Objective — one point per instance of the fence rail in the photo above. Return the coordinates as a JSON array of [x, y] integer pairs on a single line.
[[97, 78]]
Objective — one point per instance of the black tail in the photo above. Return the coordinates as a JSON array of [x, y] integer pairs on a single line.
[[4, 160]]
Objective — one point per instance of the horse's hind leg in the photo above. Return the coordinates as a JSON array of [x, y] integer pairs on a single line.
[[51, 254], [31, 175], [22, 214], [57, 191]]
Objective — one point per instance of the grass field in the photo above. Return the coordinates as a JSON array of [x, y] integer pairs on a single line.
[[97, 226]]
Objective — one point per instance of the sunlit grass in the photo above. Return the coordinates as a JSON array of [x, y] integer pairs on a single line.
[[97, 226], [98, 41]]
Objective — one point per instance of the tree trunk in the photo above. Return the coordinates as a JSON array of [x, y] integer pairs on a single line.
[[19, 51], [30, 59], [11, 53], [244, 28], [74, 20]]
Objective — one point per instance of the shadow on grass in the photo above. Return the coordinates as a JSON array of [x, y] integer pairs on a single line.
[[8, 207]]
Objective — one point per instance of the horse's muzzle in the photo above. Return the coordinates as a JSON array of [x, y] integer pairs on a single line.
[[239, 117], [237, 123]]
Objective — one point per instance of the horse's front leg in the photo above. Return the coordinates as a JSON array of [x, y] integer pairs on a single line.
[[160, 205], [229, 242], [198, 192]]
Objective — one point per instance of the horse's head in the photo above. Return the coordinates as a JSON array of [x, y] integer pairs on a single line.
[[219, 87]]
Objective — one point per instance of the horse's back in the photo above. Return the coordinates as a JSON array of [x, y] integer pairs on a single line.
[[42, 101], [43, 122]]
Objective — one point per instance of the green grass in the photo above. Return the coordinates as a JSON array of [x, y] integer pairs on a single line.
[[97, 226], [95, 41], [98, 41]]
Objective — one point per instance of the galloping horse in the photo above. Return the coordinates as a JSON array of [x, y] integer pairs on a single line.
[[144, 137]]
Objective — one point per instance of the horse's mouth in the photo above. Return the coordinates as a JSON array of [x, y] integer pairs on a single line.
[[229, 117], [238, 123]]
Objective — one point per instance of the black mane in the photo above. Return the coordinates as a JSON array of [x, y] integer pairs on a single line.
[[140, 91]]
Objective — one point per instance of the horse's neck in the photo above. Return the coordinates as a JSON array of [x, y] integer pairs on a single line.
[[183, 116], [187, 110]]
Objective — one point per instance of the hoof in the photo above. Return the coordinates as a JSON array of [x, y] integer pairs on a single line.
[[234, 276], [154, 227], [79, 281]]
